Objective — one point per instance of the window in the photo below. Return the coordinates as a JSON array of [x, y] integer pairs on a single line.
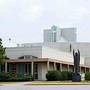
[[28, 57], [26, 66], [36, 71]]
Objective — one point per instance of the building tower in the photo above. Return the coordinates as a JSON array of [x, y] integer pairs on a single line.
[[56, 34]]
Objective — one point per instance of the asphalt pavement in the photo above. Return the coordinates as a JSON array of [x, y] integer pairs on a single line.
[[52, 87]]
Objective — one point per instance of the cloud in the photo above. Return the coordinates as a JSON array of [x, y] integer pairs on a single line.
[[20, 19], [24, 10]]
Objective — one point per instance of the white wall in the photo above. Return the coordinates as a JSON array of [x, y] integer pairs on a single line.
[[44, 52], [42, 70], [58, 55], [15, 52], [59, 46], [87, 61], [83, 47]]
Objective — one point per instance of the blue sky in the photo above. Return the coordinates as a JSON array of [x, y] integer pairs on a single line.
[[24, 20]]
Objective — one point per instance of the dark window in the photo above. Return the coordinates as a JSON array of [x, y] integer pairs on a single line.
[[26, 71]]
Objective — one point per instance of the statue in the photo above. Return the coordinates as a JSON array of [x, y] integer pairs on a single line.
[[76, 76], [76, 56]]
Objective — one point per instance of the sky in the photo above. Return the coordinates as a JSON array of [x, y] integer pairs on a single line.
[[24, 20]]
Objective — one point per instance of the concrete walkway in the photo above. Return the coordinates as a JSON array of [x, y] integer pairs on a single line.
[[57, 83], [55, 87], [34, 83], [16, 84]]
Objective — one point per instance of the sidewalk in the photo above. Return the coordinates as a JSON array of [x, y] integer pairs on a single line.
[[57, 83], [43, 83], [14, 83]]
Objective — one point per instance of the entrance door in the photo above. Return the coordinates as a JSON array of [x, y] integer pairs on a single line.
[[35, 72], [13, 69]]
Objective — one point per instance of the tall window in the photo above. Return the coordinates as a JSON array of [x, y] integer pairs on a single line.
[[36, 71], [26, 66]]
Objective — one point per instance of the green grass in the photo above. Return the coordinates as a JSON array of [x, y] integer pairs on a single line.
[[1, 83], [59, 83], [50, 83]]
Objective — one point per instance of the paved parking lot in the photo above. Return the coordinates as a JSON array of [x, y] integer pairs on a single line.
[[62, 87]]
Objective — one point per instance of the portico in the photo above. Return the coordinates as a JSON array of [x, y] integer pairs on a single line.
[[39, 67]]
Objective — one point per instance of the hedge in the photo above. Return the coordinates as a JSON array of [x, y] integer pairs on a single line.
[[58, 76], [87, 76], [15, 77], [53, 75]]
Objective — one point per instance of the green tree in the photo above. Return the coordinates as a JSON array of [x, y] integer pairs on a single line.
[[3, 56]]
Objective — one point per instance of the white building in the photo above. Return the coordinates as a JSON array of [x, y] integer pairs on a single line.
[[56, 34], [66, 47], [37, 60], [54, 54]]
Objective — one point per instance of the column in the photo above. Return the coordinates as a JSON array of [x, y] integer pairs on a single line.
[[68, 67], [80, 69], [27, 68], [85, 69], [17, 68], [48, 66], [54, 66], [32, 63], [5, 67], [60, 67]]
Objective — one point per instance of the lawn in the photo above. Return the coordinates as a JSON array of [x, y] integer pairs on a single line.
[[59, 83], [2, 83], [48, 83]]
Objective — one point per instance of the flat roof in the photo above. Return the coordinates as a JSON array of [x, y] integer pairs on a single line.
[[41, 60]]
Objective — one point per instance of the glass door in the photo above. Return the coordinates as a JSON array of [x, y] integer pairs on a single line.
[[35, 71]]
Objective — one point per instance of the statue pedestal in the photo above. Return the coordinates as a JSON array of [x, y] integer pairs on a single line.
[[76, 78]]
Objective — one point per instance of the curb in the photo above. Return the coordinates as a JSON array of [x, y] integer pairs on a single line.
[[58, 84]]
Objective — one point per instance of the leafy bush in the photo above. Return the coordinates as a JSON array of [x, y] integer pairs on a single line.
[[1, 76], [15, 77], [29, 77], [64, 75], [5, 76], [57, 75], [53, 75], [24, 77], [87, 76], [70, 74]]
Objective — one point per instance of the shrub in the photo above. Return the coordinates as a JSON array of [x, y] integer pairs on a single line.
[[1, 76], [6, 76], [64, 75], [53, 75], [57, 75], [87, 76], [15, 77], [29, 77], [70, 74], [20, 77]]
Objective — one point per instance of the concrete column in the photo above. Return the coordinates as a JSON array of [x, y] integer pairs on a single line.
[[68, 67], [17, 68], [60, 67], [48, 68], [5, 67], [32, 64], [54, 66], [28, 68], [80, 69], [85, 69]]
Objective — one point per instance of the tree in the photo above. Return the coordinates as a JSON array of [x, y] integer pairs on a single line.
[[3, 56]]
